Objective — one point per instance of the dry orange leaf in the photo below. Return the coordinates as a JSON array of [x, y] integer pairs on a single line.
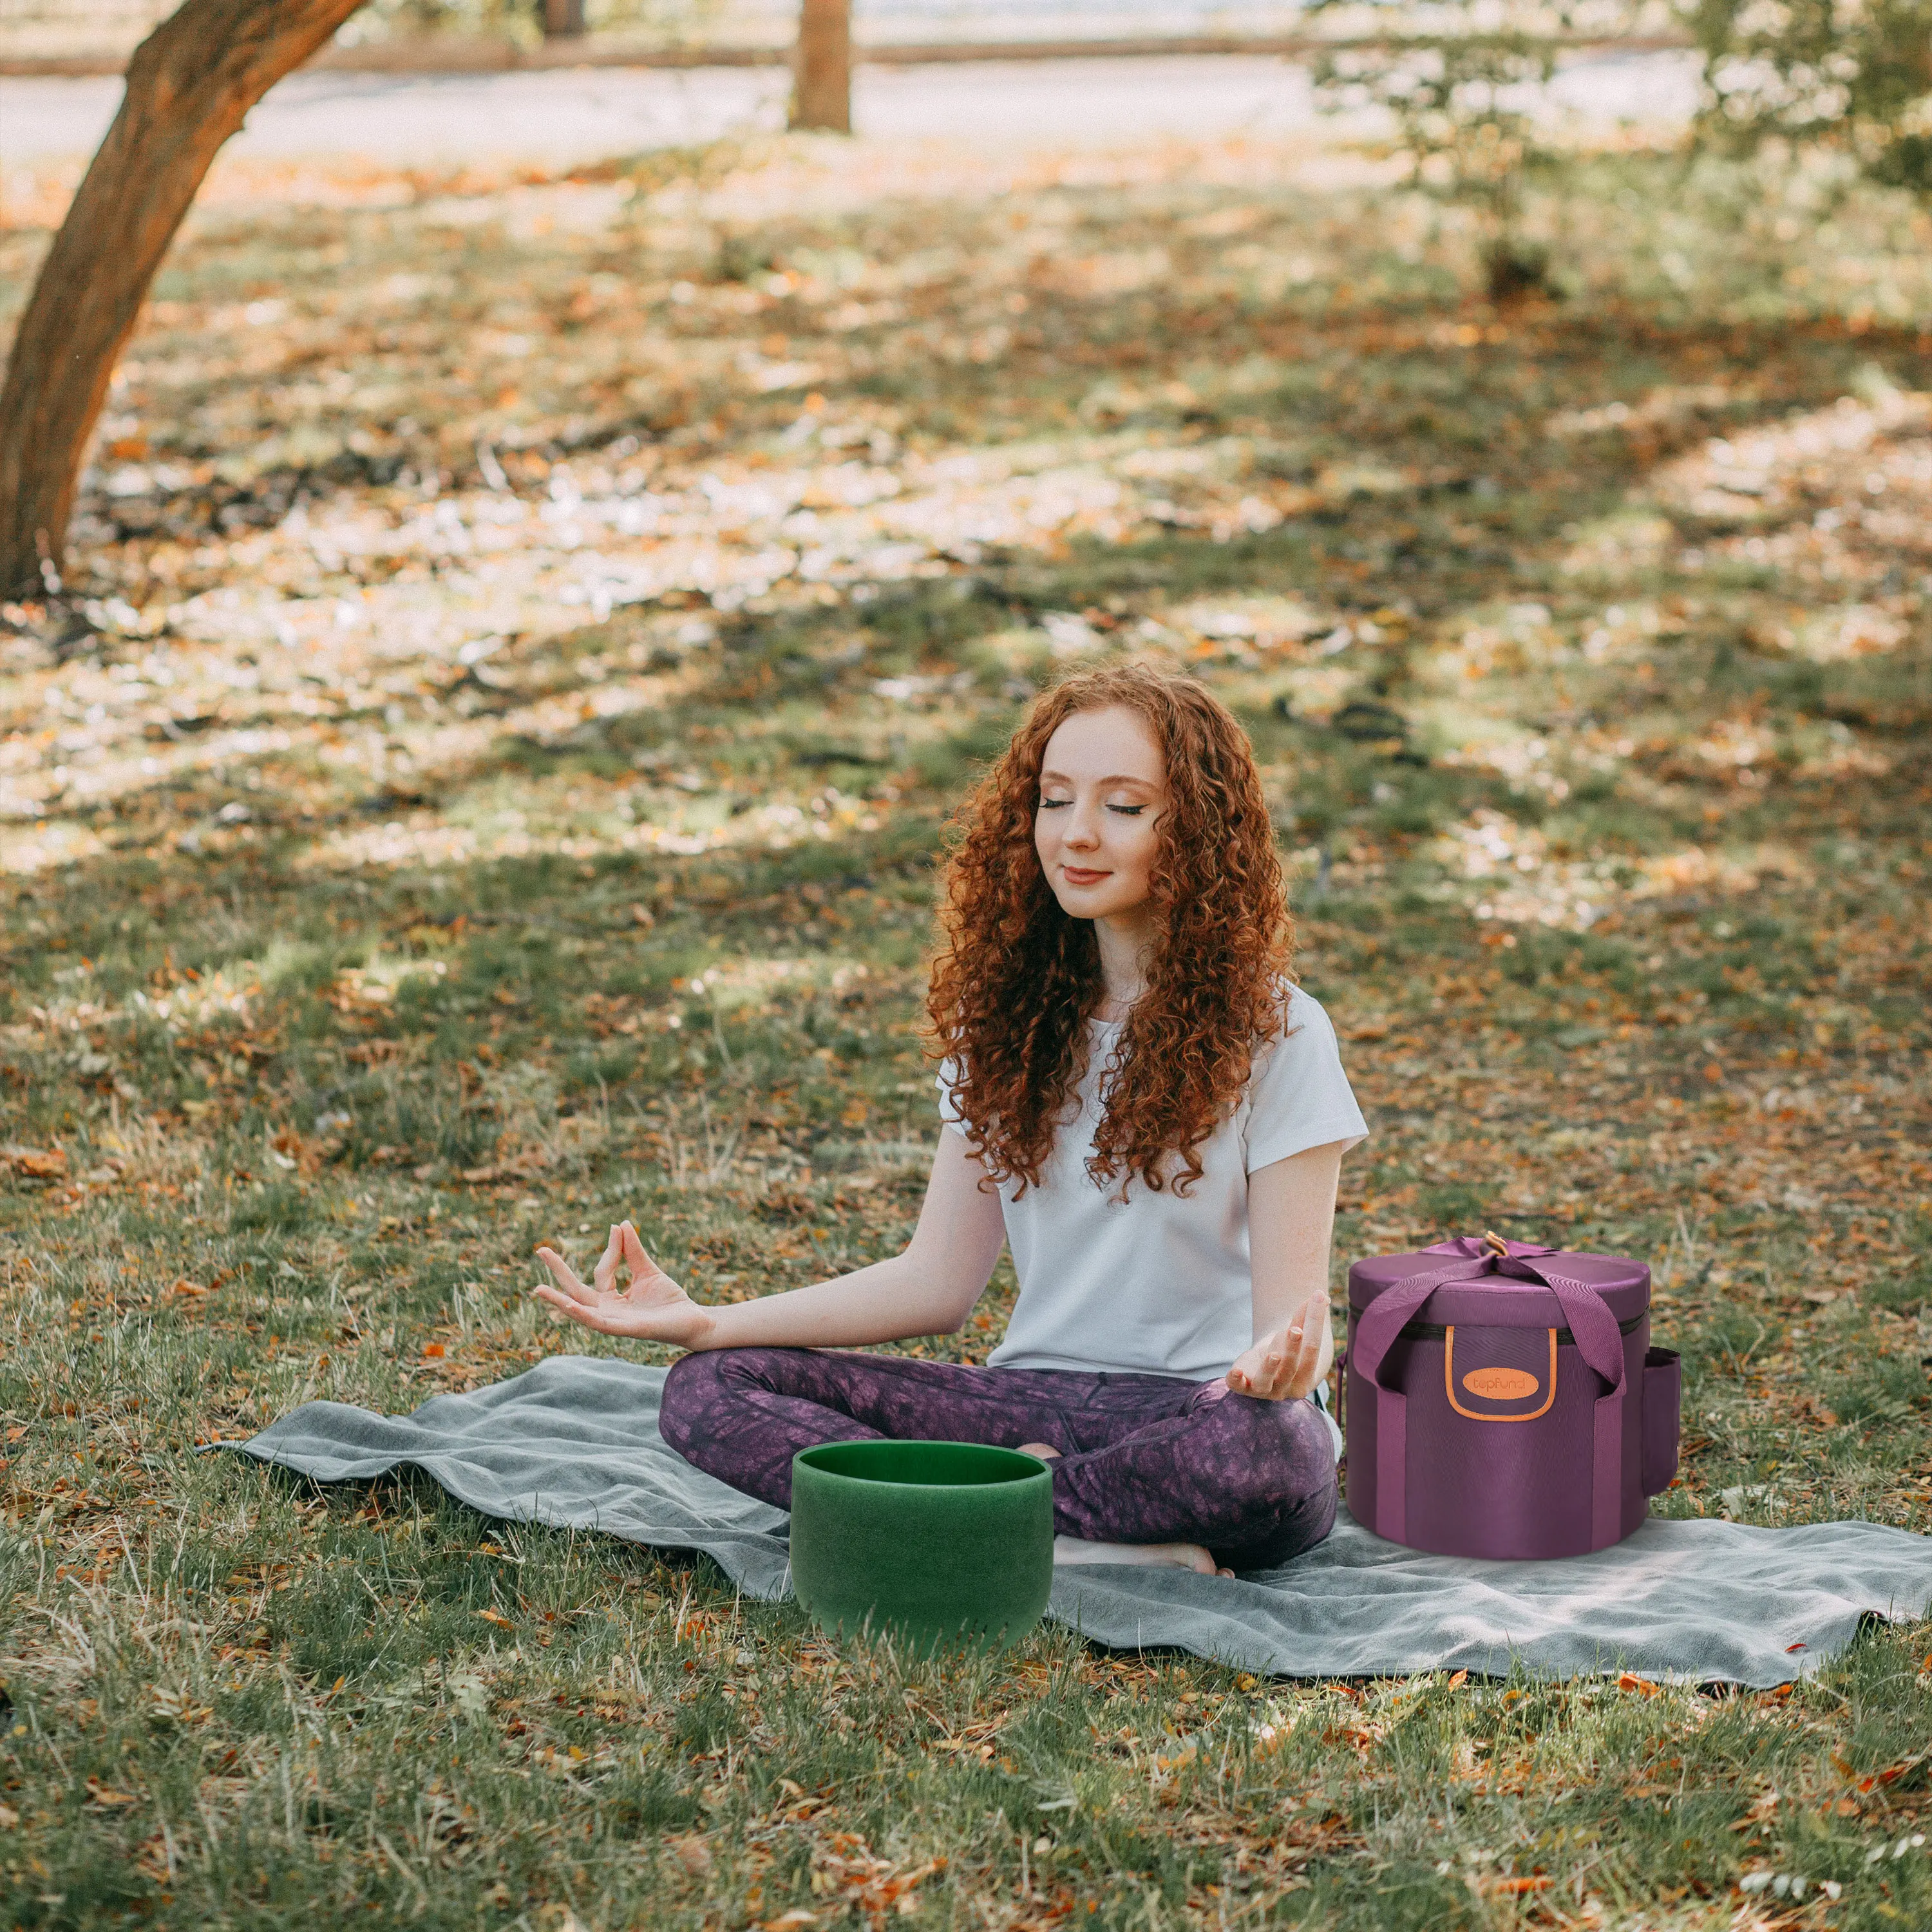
[[35, 1163]]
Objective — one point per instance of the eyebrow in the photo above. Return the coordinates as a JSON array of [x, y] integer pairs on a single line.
[[1113, 778]]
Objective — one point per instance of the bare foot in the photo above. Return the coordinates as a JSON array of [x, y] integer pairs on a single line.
[[1158, 1556]]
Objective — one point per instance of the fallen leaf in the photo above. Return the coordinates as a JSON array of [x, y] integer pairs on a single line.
[[496, 1617], [35, 1163], [692, 1852]]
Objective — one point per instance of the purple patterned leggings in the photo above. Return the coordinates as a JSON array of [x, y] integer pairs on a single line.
[[1143, 1459]]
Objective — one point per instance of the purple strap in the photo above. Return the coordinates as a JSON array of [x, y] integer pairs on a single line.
[[1599, 1341]]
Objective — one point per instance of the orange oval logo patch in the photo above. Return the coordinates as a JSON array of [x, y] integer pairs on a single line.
[[1500, 1385]]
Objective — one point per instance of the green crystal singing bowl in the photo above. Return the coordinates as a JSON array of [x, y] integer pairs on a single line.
[[929, 1543]]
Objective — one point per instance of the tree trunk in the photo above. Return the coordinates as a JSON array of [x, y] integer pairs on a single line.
[[562, 19], [821, 81], [189, 86]]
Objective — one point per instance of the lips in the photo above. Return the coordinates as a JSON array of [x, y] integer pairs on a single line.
[[1074, 876]]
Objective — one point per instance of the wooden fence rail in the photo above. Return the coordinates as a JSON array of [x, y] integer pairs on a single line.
[[452, 55]]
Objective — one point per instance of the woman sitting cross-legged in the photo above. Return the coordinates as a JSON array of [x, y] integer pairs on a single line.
[[1135, 1097]]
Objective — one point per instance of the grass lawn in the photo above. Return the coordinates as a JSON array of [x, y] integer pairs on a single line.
[[526, 634]]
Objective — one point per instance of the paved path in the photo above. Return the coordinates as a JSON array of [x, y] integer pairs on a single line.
[[579, 114]]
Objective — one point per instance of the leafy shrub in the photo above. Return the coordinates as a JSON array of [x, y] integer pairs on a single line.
[[1462, 102], [1856, 75]]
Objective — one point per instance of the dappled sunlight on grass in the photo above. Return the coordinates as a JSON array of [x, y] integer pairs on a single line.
[[485, 777]]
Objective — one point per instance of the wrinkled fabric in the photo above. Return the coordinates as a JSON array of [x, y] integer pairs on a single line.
[[574, 1443], [1143, 1459]]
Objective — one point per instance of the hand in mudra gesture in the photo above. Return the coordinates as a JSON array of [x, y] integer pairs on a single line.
[[652, 1309], [1284, 1365]]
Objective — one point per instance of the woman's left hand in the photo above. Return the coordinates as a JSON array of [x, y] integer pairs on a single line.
[[1284, 1365]]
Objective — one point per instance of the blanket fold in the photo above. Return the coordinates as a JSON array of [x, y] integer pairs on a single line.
[[574, 1443]]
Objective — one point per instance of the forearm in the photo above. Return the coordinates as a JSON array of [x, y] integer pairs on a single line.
[[892, 1300], [1293, 1279], [928, 1290], [1291, 1222]]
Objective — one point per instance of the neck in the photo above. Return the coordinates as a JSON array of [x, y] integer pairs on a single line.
[[1125, 941]]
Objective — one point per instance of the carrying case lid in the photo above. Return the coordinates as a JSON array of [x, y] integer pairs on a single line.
[[1507, 1295]]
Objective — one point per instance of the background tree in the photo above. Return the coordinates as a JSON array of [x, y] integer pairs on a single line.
[[1853, 74], [190, 85], [821, 94]]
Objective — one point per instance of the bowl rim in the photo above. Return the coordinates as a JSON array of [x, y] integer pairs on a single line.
[[1031, 1465]]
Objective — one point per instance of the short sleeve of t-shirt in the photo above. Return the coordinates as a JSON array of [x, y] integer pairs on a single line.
[[1298, 1095]]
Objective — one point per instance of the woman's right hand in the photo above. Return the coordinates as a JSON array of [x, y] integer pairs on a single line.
[[652, 1309]]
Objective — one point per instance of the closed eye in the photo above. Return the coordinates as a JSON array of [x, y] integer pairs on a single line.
[[1047, 804]]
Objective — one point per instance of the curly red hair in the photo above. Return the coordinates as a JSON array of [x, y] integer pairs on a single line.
[[1016, 978]]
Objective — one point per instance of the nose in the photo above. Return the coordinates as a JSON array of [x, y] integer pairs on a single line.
[[1083, 829]]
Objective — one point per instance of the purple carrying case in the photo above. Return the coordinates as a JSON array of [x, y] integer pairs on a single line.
[[1503, 1399]]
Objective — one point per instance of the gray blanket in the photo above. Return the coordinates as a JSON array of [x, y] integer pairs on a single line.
[[574, 1443]]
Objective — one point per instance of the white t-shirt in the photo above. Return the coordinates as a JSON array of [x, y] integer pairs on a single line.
[[1159, 1284]]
